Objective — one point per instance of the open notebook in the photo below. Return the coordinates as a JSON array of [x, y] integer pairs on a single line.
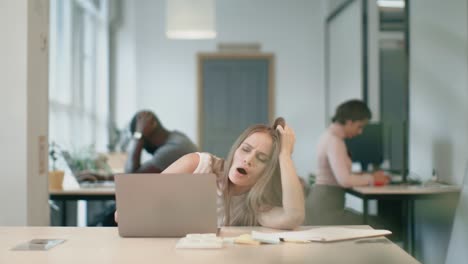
[[321, 234]]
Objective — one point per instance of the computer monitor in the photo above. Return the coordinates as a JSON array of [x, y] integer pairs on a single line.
[[367, 148]]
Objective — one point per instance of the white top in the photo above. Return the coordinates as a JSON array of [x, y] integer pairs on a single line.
[[205, 163], [211, 164]]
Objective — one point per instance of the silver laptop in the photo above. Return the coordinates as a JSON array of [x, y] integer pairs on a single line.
[[165, 205]]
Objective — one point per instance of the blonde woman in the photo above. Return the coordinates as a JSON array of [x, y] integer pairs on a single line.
[[257, 183]]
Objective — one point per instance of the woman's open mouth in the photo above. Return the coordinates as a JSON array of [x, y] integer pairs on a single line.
[[242, 171]]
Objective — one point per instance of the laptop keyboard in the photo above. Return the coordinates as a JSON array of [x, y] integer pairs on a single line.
[[98, 184]]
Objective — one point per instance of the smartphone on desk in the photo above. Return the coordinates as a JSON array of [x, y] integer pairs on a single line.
[[38, 244]]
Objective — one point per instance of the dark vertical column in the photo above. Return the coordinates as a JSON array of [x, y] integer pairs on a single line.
[[364, 52], [406, 124]]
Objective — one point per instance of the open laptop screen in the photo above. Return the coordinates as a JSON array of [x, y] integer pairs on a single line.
[[166, 205]]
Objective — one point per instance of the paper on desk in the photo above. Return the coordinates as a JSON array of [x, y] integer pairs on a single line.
[[265, 238], [200, 241], [326, 234]]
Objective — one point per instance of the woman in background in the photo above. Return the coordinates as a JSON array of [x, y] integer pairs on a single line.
[[326, 203]]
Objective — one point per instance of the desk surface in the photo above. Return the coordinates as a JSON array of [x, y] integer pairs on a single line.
[[88, 194], [389, 189], [103, 245], [83, 191], [407, 189], [408, 194]]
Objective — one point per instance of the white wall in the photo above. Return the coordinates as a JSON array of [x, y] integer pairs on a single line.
[[373, 60], [438, 89], [438, 111], [23, 112], [331, 5], [166, 70], [344, 62], [123, 22]]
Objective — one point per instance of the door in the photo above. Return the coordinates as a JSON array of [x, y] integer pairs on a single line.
[[235, 92]]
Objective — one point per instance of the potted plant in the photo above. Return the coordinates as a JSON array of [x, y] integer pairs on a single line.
[[55, 176]]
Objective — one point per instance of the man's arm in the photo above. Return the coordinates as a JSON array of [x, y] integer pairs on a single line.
[[148, 167], [134, 155], [145, 126], [133, 164], [163, 157]]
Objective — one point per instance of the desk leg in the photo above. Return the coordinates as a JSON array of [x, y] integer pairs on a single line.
[[405, 225], [408, 229], [365, 213], [411, 227], [64, 213]]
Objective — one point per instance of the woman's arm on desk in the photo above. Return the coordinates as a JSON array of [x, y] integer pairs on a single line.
[[338, 159], [186, 164]]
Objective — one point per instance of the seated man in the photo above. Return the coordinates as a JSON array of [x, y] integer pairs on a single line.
[[164, 146], [149, 134]]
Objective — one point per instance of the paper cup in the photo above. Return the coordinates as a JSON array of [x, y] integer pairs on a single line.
[[56, 179]]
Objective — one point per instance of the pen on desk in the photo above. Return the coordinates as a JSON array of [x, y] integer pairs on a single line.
[[365, 241], [299, 241]]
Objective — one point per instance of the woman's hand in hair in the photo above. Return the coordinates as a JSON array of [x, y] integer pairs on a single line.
[[292, 212], [288, 138]]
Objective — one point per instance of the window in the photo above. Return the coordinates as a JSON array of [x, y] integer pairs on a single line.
[[79, 74]]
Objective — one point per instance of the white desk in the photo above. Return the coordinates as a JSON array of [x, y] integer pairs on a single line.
[[407, 194], [405, 190], [103, 245]]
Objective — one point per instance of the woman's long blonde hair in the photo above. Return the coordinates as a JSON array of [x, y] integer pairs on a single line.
[[265, 193]]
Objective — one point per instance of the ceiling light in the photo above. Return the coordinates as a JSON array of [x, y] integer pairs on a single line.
[[190, 19]]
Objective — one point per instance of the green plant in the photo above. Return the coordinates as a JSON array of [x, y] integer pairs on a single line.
[[53, 154], [87, 160]]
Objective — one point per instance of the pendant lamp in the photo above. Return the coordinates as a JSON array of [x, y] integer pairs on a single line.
[[190, 19]]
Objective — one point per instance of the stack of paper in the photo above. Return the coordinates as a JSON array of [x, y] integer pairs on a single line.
[[322, 234], [207, 241]]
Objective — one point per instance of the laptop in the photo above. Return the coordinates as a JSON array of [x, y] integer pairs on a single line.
[[165, 205], [84, 183]]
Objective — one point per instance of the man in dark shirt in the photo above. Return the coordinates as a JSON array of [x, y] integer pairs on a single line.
[[150, 135], [165, 146]]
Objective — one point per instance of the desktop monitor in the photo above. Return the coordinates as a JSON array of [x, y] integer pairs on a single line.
[[367, 148]]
